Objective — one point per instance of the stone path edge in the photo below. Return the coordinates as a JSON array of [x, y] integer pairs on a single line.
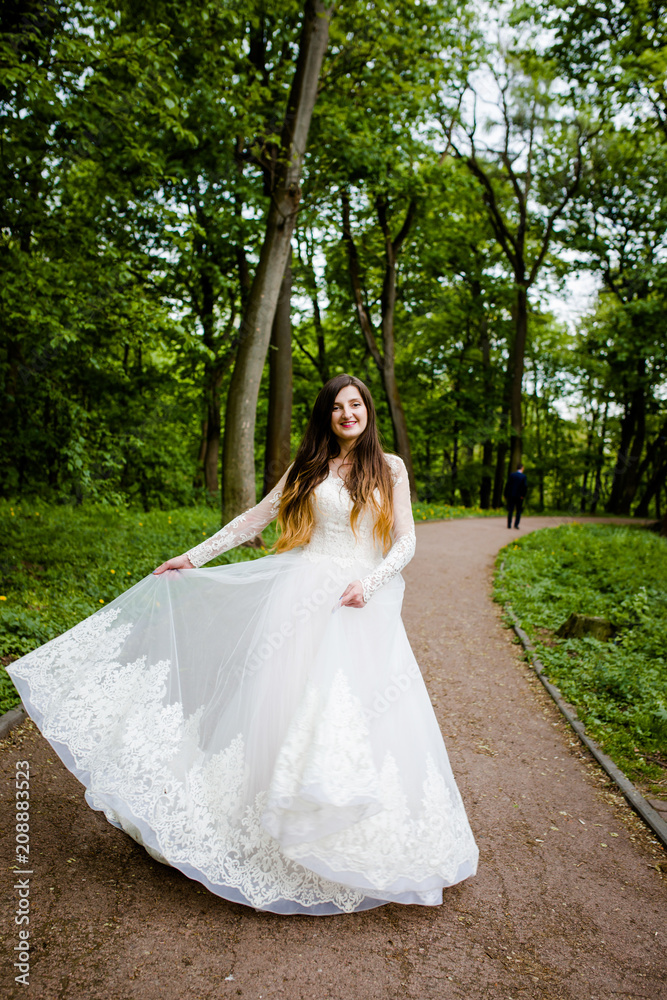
[[650, 816], [11, 719]]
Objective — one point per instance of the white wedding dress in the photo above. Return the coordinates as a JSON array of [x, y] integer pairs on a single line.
[[248, 730]]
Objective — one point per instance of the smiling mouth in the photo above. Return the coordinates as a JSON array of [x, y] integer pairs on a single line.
[[349, 423]]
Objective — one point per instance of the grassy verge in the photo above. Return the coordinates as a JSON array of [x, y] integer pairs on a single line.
[[619, 687], [446, 512], [60, 564]]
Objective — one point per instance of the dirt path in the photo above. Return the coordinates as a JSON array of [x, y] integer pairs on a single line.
[[569, 901]]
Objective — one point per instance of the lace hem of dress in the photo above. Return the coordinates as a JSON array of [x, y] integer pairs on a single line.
[[141, 750]]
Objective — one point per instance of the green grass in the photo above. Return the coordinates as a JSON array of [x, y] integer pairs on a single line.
[[446, 512], [59, 564], [619, 688]]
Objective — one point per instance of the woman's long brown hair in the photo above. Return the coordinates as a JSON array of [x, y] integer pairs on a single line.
[[369, 472]]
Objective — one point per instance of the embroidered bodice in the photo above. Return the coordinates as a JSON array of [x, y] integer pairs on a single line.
[[332, 534]]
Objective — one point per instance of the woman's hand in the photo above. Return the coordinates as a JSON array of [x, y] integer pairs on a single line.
[[353, 595], [178, 562]]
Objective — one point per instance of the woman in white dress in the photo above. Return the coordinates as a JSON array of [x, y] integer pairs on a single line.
[[263, 726]]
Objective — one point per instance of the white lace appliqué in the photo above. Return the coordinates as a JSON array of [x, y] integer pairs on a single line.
[[332, 536], [326, 776], [144, 753], [244, 527], [327, 797]]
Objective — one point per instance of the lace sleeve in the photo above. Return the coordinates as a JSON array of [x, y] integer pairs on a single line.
[[244, 527], [403, 549]]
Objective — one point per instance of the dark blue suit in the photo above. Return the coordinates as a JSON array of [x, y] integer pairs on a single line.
[[517, 487]]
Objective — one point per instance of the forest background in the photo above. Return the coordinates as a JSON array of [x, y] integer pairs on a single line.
[[209, 208]]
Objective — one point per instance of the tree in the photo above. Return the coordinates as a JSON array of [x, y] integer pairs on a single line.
[[384, 357], [255, 330], [279, 419], [366, 160], [617, 49], [621, 227], [454, 322], [80, 313], [527, 179]]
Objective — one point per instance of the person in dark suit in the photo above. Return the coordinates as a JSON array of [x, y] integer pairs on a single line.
[[515, 494]]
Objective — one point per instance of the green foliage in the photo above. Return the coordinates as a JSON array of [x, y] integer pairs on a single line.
[[138, 146], [447, 512], [619, 687], [616, 47]]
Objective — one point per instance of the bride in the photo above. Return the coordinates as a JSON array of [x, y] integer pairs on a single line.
[[263, 726]]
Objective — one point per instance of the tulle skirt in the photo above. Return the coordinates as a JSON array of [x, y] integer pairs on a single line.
[[251, 733]]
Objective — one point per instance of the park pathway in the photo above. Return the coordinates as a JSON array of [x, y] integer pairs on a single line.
[[569, 903]]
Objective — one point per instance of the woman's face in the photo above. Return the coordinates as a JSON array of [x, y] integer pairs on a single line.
[[349, 415]]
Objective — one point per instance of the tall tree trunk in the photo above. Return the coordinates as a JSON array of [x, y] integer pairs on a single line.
[[455, 464], [513, 245], [633, 429], [539, 446], [239, 250], [320, 362], [518, 357], [599, 459], [588, 459], [212, 375], [385, 359], [399, 423], [279, 420], [198, 481], [499, 476], [653, 487], [487, 446], [632, 477], [464, 488], [620, 468], [212, 452], [388, 300], [656, 455], [655, 448], [485, 485], [255, 333]]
